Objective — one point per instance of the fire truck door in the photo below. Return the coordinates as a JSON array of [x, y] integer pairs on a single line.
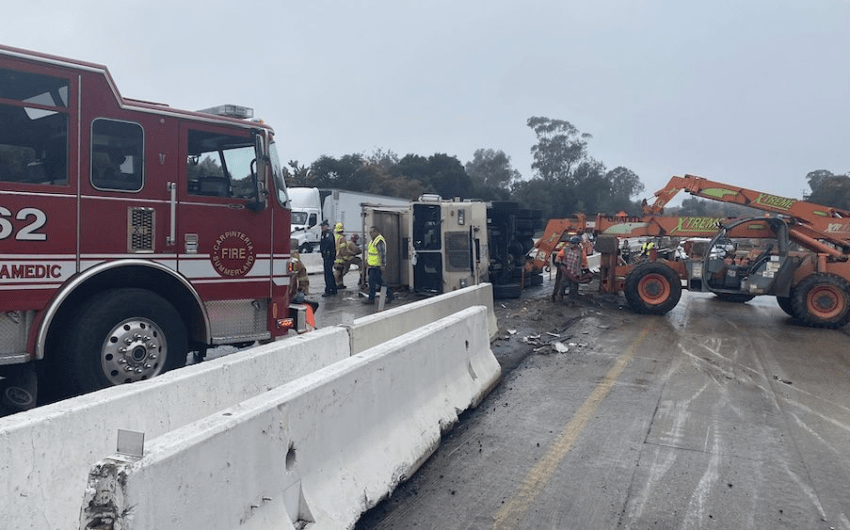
[[223, 242]]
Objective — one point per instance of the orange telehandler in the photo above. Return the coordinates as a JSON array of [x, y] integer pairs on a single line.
[[799, 253]]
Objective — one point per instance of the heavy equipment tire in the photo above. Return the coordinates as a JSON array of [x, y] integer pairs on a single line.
[[653, 288], [121, 336], [735, 298], [786, 304], [822, 301]]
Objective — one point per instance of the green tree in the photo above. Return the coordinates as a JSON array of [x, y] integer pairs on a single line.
[[491, 174], [330, 172], [448, 177], [559, 148], [625, 184], [829, 189], [548, 196], [412, 167], [296, 174], [385, 159], [570, 180], [440, 173]]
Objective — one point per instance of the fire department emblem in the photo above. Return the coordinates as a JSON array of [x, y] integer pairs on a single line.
[[233, 254]]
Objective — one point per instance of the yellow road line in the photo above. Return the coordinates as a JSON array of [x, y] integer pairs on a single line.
[[513, 512]]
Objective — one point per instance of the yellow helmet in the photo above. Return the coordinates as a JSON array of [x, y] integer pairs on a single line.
[[338, 227]]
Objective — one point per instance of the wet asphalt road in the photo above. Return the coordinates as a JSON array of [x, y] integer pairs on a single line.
[[714, 416]]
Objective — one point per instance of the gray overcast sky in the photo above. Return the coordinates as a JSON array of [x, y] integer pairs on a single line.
[[748, 92]]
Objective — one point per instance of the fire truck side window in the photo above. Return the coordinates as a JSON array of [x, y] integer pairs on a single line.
[[116, 155], [33, 128], [220, 165]]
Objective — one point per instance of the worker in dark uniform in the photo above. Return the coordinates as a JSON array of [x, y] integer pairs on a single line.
[[327, 246]]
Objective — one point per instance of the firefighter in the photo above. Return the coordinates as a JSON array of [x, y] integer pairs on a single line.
[[299, 286], [353, 255], [328, 250], [341, 246], [376, 259]]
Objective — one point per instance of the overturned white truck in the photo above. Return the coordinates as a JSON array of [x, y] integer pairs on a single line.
[[435, 245]]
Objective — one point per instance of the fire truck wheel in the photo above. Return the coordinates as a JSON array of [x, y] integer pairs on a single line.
[[121, 336], [653, 288], [823, 301], [735, 298], [786, 304], [18, 390]]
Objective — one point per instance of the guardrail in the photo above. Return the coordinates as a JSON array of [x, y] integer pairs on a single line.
[[46, 453], [321, 449]]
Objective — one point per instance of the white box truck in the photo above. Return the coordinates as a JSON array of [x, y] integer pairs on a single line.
[[311, 206], [346, 207]]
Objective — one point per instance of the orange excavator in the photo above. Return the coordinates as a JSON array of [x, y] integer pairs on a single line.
[[797, 253]]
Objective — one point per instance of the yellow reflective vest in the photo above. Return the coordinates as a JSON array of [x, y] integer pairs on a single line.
[[373, 257]]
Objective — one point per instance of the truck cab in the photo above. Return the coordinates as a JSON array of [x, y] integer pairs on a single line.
[[306, 207]]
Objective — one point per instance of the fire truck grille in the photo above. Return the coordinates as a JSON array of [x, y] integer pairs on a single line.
[[140, 229]]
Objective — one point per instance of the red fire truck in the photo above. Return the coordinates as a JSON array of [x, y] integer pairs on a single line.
[[131, 233]]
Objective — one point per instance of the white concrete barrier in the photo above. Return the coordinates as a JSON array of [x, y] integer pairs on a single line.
[[46, 453], [380, 327], [321, 449]]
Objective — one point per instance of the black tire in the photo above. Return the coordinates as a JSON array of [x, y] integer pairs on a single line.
[[511, 290], [786, 304], [822, 301], [305, 248], [735, 298], [121, 336], [653, 288], [19, 389]]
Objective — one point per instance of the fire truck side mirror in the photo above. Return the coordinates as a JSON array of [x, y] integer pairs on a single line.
[[260, 192], [258, 172]]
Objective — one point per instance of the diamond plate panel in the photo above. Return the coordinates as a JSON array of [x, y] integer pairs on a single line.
[[14, 326], [237, 318]]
